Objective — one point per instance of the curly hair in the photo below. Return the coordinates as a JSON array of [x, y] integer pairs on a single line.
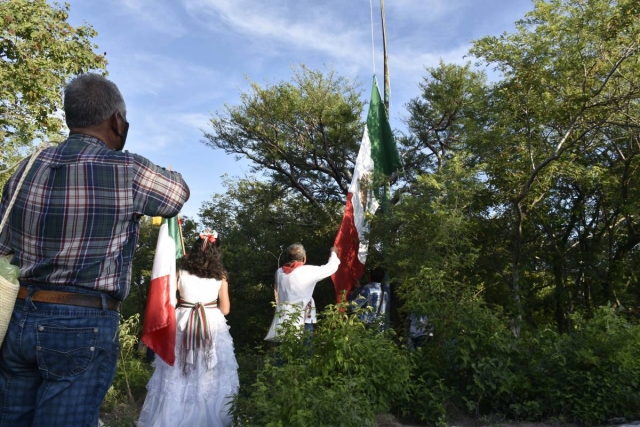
[[205, 260]]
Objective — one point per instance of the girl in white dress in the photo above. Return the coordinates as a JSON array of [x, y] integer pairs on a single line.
[[198, 389]]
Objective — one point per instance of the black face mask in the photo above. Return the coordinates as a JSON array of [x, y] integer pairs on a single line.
[[123, 137]]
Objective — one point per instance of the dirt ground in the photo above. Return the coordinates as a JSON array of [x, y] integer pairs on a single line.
[[125, 416], [463, 421]]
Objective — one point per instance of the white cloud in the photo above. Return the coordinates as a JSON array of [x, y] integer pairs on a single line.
[[265, 23], [409, 60], [174, 83], [154, 14], [425, 12], [193, 120]]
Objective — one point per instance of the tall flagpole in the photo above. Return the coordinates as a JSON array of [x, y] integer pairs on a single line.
[[386, 58], [387, 187], [385, 199]]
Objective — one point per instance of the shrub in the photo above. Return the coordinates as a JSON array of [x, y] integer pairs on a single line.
[[351, 374], [591, 374], [133, 373], [586, 376]]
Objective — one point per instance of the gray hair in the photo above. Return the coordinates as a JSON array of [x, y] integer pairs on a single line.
[[296, 252], [90, 99]]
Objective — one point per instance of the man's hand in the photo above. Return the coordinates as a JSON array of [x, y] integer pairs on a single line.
[[335, 249]]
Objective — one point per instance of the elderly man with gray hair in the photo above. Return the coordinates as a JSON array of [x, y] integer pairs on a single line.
[[294, 285], [73, 230]]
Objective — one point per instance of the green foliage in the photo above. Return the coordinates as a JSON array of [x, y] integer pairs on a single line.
[[587, 376], [39, 51], [302, 135], [351, 374], [443, 205], [469, 338], [141, 268], [516, 219], [133, 372], [527, 188], [558, 153], [590, 374], [451, 105]]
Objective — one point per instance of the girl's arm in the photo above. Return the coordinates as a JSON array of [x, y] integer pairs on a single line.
[[223, 297]]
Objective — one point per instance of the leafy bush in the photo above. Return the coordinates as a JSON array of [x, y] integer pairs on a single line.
[[591, 374], [133, 373], [351, 374], [587, 376]]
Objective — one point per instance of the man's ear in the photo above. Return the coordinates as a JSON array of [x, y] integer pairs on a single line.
[[304, 259], [113, 123]]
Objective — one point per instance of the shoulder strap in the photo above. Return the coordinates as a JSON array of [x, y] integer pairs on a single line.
[[33, 158]]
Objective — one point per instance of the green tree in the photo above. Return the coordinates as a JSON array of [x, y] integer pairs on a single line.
[[451, 104], [565, 108], [302, 135], [39, 52]]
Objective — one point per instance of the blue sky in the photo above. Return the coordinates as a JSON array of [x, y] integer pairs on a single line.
[[178, 61]]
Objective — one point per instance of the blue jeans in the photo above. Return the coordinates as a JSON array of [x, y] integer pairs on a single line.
[[57, 363], [308, 339]]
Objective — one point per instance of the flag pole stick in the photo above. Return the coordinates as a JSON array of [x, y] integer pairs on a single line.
[[387, 186], [385, 199], [184, 252], [386, 58]]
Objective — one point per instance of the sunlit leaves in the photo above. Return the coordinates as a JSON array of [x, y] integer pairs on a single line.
[[39, 52]]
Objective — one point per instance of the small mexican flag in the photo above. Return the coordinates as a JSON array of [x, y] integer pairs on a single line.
[[378, 157], [159, 330]]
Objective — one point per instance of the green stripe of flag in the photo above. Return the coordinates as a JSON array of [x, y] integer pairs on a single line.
[[383, 145], [174, 233]]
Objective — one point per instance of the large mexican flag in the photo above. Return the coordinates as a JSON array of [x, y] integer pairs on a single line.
[[159, 327], [377, 158]]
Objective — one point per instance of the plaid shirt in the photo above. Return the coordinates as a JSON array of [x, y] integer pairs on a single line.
[[371, 295], [76, 218]]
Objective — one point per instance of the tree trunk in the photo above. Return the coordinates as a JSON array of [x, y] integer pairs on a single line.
[[560, 297], [516, 321]]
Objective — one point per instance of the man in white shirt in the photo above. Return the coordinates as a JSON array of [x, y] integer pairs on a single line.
[[295, 282]]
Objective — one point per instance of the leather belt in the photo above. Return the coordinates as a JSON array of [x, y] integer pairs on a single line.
[[69, 298]]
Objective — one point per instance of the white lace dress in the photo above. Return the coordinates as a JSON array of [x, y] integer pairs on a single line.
[[202, 396]]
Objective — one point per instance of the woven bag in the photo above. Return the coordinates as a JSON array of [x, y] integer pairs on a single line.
[[8, 296], [8, 289]]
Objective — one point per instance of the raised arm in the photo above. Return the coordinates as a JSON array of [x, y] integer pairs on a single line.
[[157, 191], [330, 267]]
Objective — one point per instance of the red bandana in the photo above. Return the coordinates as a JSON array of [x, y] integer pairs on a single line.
[[290, 266]]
